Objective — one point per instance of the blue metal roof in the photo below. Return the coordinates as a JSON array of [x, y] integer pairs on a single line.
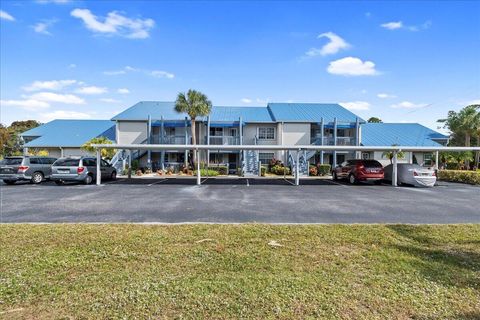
[[233, 114], [402, 134], [156, 110], [69, 133], [311, 112]]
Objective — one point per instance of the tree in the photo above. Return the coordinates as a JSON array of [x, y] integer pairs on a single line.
[[374, 120], [106, 153], [463, 124], [195, 104], [389, 154], [11, 144]]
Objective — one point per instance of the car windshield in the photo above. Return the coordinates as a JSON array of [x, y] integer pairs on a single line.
[[11, 161], [67, 162], [371, 164]]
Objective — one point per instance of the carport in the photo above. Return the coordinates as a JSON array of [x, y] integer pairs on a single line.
[[297, 149]]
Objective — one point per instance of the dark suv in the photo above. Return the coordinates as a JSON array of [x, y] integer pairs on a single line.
[[29, 168], [81, 169], [359, 170]]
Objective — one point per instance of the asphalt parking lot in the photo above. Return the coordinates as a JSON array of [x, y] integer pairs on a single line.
[[238, 201]]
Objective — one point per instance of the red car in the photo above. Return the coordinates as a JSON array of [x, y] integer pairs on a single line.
[[359, 170]]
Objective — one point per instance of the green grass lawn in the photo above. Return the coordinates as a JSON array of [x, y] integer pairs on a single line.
[[231, 271]]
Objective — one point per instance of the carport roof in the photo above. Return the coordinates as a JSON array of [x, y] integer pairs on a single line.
[[402, 134], [69, 133]]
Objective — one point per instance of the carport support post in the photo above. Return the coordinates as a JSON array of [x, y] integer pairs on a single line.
[[99, 172], [395, 169], [436, 160], [297, 168], [129, 163], [199, 181]]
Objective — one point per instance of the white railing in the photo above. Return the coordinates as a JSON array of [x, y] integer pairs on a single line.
[[224, 140]]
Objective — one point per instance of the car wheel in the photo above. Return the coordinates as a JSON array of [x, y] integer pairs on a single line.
[[113, 176], [37, 178], [59, 182], [9, 182], [352, 179], [335, 177], [88, 180]]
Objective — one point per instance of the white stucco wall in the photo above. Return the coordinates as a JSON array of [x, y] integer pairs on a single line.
[[130, 132]]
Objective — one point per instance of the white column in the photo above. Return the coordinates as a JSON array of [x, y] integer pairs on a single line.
[[436, 160], [99, 172], [297, 171], [199, 181], [395, 169], [129, 163]]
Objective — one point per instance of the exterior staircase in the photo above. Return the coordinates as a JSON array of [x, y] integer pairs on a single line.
[[250, 163], [120, 159]]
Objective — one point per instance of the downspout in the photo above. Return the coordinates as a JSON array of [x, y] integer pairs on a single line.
[[185, 161], [149, 141], [162, 140]]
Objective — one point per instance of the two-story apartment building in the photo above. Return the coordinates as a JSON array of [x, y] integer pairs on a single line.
[[155, 122]]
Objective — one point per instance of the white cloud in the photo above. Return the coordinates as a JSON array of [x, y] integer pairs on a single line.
[[63, 114], [28, 104], [162, 74], [115, 24], [49, 85], [351, 66], [335, 44], [246, 100], [153, 73], [408, 105], [110, 100], [72, 66], [6, 16], [385, 96], [42, 27], [395, 25], [356, 105], [55, 97], [392, 25], [91, 90], [123, 91]]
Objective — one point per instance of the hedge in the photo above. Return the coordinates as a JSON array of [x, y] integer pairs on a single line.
[[204, 172], [464, 176], [324, 169], [222, 170]]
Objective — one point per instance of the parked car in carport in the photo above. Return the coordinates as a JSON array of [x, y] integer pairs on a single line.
[[26, 168], [359, 170], [80, 169], [412, 174]]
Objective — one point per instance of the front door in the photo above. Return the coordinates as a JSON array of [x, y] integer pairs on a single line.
[[232, 162]]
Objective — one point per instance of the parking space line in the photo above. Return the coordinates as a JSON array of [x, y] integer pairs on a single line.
[[336, 183], [156, 182]]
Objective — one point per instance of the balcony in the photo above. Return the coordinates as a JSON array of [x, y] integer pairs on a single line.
[[330, 141], [224, 140]]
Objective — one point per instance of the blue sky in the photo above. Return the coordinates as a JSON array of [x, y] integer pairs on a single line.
[[401, 61]]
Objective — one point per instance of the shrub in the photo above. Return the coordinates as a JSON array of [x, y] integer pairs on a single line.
[[222, 170], [263, 170], [313, 171], [280, 170], [463, 176], [323, 169], [205, 172]]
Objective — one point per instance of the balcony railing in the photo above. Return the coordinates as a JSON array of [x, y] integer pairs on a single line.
[[329, 141], [224, 140], [169, 139]]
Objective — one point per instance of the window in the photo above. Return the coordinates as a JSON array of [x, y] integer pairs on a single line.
[[105, 163], [67, 162], [265, 157], [427, 159], [12, 161], [365, 155], [266, 133], [35, 161], [89, 162], [215, 132]]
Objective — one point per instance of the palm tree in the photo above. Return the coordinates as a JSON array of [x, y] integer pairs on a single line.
[[195, 104], [389, 154], [463, 123]]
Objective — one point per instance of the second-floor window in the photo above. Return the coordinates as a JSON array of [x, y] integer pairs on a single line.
[[266, 133]]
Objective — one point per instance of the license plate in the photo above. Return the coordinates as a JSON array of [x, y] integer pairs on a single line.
[[63, 171], [6, 170], [373, 171]]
